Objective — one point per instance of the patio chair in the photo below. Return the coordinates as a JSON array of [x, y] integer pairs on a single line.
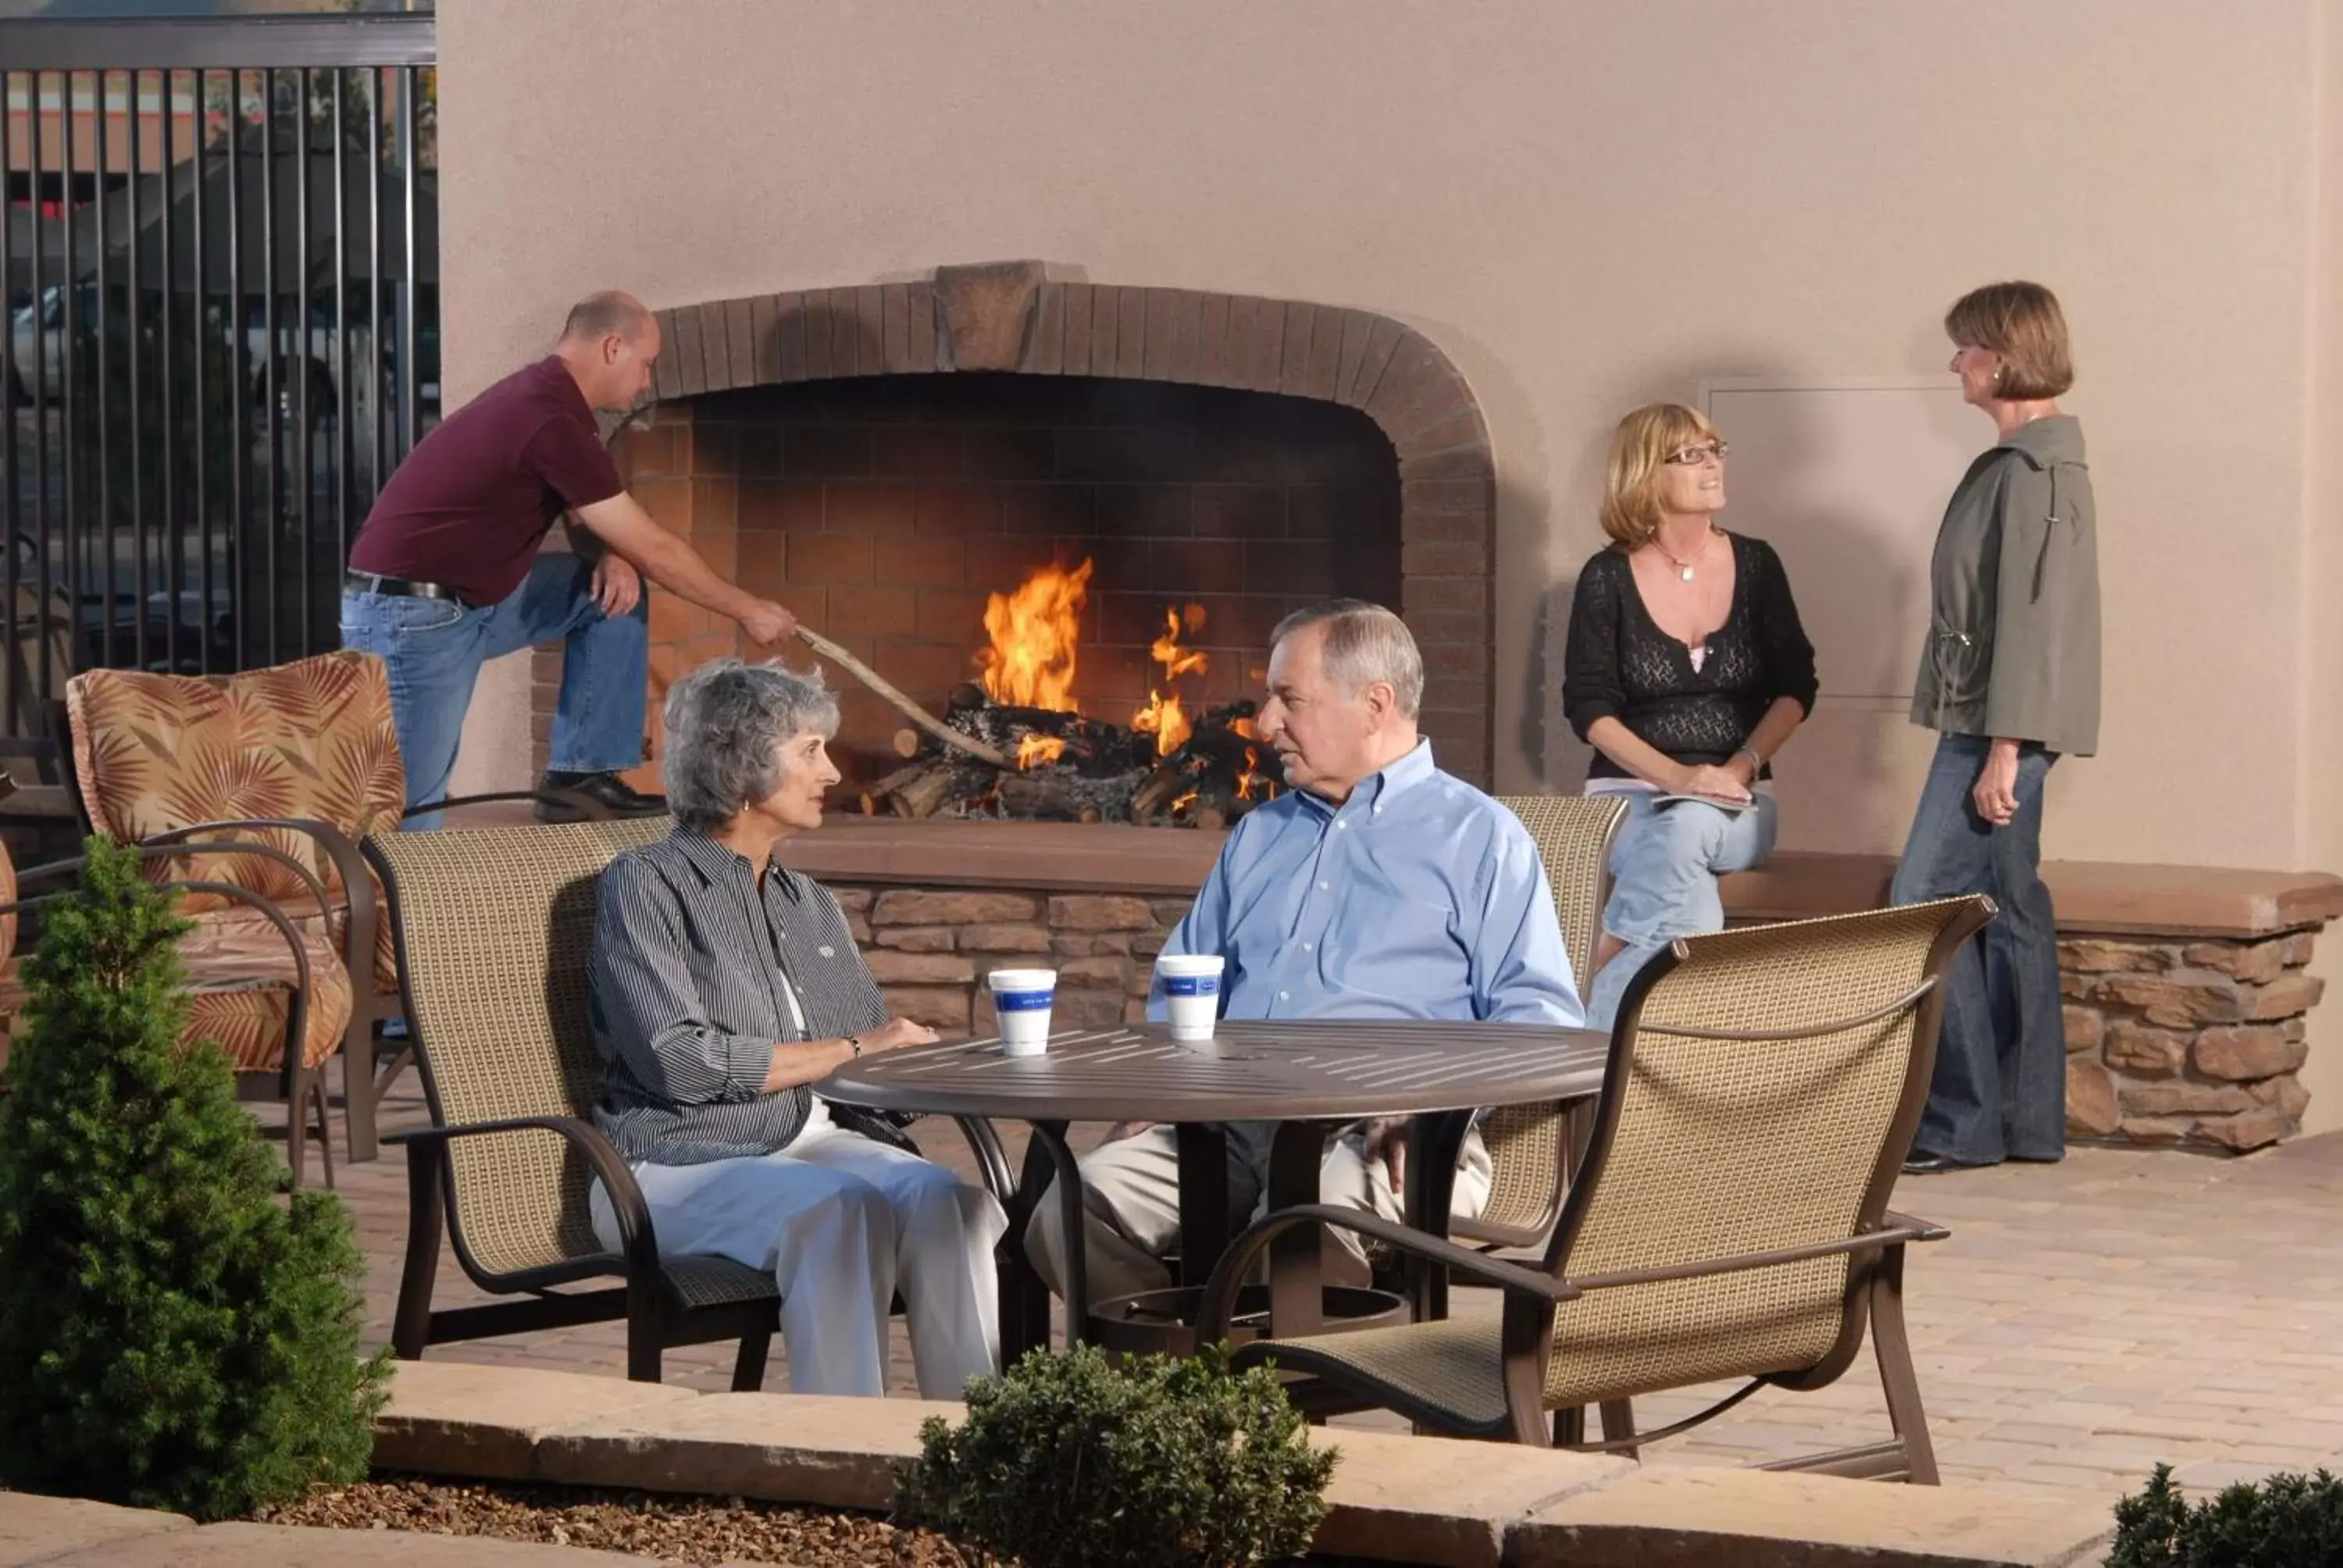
[[494, 928], [1730, 1219], [302, 756], [1531, 1147], [273, 995]]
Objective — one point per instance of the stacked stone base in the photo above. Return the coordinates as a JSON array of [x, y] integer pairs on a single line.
[[2168, 1041], [931, 950], [2192, 1042]]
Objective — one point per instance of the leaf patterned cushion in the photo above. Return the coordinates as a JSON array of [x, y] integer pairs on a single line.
[[240, 993], [310, 738]]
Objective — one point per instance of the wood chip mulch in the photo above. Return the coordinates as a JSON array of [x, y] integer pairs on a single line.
[[702, 1531]]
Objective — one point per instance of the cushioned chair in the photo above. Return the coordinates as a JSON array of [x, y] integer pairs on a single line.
[[302, 756], [1729, 1220], [272, 994], [494, 928]]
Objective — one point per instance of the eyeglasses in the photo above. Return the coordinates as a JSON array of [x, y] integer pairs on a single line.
[[1687, 456]]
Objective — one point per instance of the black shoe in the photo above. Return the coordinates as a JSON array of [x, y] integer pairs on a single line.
[[1921, 1164], [607, 791]]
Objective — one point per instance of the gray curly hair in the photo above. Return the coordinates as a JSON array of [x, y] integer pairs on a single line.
[[727, 722]]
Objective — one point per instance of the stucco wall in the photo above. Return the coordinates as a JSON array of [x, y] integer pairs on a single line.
[[1587, 205]]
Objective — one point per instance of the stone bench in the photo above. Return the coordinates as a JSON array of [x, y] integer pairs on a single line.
[[2185, 985]]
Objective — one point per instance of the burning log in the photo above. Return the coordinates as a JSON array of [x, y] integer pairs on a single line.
[[1046, 799], [926, 794]]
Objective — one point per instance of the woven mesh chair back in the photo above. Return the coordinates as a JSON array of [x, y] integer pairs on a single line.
[[1708, 1149], [496, 927], [1573, 834]]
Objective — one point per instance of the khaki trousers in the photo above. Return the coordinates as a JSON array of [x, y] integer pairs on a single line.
[[1131, 1195]]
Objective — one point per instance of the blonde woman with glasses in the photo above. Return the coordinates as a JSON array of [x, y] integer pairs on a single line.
[[1687, 669]]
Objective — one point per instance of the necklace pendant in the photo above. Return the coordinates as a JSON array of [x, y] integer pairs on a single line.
[[1685, 574]]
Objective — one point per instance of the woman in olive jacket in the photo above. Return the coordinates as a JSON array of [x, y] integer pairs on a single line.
[[2010, 681]]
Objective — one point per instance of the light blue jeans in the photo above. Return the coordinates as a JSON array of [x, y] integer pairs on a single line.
[[434, 648], [1664, 867]]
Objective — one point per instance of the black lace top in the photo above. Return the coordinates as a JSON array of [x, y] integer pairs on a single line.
[[1619, 664]]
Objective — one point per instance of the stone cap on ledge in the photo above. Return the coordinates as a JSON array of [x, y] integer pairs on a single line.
[[2113, 897], [2108, 897]]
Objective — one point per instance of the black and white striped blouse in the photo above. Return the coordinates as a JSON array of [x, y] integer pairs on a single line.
[[693, 972]]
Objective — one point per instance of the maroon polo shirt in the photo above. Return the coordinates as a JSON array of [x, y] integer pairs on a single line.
[[468, 508]]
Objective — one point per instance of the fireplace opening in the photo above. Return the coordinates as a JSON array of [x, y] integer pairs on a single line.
[[1082, 566]]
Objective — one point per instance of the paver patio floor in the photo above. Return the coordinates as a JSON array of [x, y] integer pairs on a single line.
[[2085, 1320]]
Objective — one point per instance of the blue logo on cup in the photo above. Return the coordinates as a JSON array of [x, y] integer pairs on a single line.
[[1021, 1000], [1192, 985]]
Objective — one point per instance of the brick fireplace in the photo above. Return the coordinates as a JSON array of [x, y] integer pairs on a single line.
[[881, 457]]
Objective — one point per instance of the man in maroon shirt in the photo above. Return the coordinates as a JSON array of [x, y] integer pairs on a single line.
[[446, 573]]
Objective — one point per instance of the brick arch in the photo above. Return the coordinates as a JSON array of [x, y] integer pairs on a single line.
[[1008, 317]]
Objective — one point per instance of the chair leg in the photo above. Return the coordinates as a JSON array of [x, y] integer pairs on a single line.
[[1896, 1376], [1619, 1424], [1570, 1426], [325, 1125], [296, 1113], [410, 1323], [749, 1370]]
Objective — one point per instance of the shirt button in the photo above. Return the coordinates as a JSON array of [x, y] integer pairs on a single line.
[[1285, 996], [1324, 886], [1310, 947], [1342, 826]]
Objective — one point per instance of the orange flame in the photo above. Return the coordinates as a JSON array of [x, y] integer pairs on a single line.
[[1240, 725], [1034, 750], [1033, 631], [1183, 802], [1251, 779], [1166, 650], [1165, 719]]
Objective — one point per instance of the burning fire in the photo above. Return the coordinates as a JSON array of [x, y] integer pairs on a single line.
[[1031, 660], [1033, 630], [1163, 717], [1251, 778]]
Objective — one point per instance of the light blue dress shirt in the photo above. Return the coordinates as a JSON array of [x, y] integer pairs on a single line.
[[1418, 897]]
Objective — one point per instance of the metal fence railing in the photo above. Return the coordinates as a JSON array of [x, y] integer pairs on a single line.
[[220, 261]]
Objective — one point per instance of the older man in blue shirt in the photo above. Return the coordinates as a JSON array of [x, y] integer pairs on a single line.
[[1377, 887]]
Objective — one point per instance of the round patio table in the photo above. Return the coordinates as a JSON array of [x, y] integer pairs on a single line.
[[1310, 1077]]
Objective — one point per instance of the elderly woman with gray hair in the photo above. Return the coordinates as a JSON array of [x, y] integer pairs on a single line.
[[724, 985]]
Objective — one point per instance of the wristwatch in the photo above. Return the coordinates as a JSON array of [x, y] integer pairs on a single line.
[[854, 1041]]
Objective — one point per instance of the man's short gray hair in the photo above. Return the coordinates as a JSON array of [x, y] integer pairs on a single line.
[[1364, 643], [727, 722]]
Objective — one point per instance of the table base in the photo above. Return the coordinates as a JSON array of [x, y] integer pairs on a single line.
[[1163, 1321]]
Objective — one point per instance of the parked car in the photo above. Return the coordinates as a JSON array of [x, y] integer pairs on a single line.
[[37, 356]]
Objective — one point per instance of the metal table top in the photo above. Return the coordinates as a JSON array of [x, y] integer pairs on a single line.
[[1257, 1070]]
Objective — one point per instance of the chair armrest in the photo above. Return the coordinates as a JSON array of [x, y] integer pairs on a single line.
[[150, 852], [1894, 1232], [586, 805], [1236, 1264], [1919, 1230], [357, 886], [636, 1239]]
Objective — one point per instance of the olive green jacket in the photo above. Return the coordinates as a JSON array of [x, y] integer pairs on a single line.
[[2013, 647]]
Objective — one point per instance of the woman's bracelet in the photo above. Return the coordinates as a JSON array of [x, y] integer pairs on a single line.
[[1757, 763]]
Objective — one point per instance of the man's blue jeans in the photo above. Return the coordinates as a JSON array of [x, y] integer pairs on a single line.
[[2000, 1087], [434, 648]]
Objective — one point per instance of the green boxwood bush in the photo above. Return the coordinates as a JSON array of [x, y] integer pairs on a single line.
[[1165, 1463], [173, 1333], [2284, 1522]]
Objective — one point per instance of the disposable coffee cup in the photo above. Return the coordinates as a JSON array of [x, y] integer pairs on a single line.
[[1023, 998], [1191, 992]]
